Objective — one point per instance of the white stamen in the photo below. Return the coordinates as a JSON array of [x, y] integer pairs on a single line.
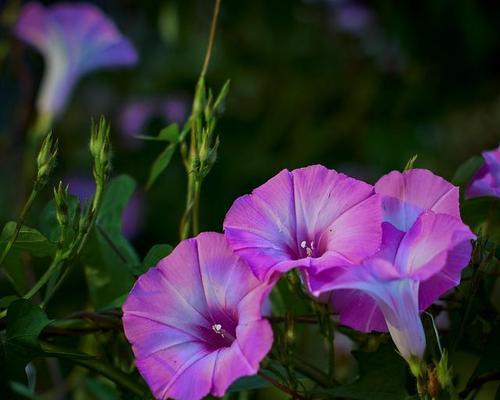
[[309, 249], [217, 328]]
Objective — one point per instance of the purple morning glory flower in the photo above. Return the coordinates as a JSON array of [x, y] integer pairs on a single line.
[[194, 321], [84, 188], [486, 181], [397, 278], [424, 249], [74, 38], [313, 218]]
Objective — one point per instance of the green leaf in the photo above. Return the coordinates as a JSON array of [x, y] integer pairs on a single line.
[[168, 134], [481, 215], [161, 163], [465, 171], [7, 300], [29, 241], [219, 104], [249, 383], [108, 257], [25, 322], [382, 376], [155, 254]]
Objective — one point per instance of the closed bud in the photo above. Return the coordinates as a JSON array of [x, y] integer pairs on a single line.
[[100, 148], [61, 200], [46, 160]]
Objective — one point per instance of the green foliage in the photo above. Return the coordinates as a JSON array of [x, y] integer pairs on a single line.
[[24, 324], [29, 243], [382, 376], [249, 383], [155, 254], [465, 171], [109, 259]]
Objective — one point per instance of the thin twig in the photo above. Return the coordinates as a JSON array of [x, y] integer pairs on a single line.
[[282, 387], [211, 38], [479, 382]]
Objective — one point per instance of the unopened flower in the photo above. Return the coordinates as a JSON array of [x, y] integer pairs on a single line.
[[486, 181], [194, 321], [425, 247], [74, 39], [312, 218]]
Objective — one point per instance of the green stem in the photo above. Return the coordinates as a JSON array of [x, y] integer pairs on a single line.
[[78, 245], [56, 263], [190, 220], [211, 38], [196, 207], [185, 225], [282, 387], [114, 375], [491, 217], [312, 372], [94, 364], [19, 224], [331, 348]]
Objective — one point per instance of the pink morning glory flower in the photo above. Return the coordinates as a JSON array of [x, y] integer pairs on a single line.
[[313, 218], [194, 321], [424, 249], [486, 181], [74, 39]]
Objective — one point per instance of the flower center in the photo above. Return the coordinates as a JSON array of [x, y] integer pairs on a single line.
[[225, 337], [308, 247]]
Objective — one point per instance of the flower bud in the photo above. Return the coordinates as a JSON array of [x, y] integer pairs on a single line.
[[46, 160], [100, 148], [61, 200]]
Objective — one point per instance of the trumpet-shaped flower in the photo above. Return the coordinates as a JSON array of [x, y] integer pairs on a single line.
[[486, 181], [313, 218], [194, 321], [397, 277], [74, 38], [424, 249]]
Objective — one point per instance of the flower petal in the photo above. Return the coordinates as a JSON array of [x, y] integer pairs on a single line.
[[407, 194], [486, 180], [191, 380], [260, 227], [74, 39], [297, 217], [423, 252], [397, 299], [254, 340], [457, 259], [358, 311], [195, 322]]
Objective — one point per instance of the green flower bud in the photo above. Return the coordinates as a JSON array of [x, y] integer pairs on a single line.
[[61, 200], [46, 160]]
